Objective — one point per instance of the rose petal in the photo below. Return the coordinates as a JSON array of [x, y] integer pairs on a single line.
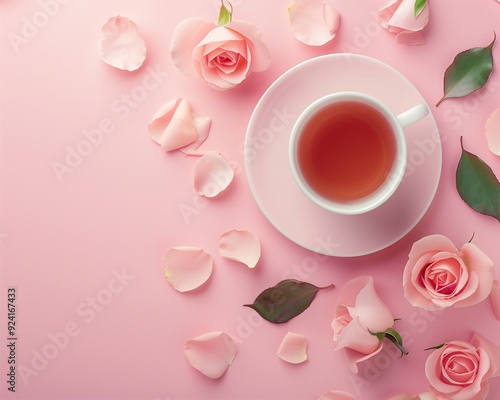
[[176, 125], [187, 268], [121, 44], [495, 299], [397, 16], [185, 37], [293, 348], [211, 353], [336, 395], [240, 245], [356, 337], [372, 312], [493, 352], [260, 56], [212, 175], [432, 244], [492, 132], [353, 358], [481, 268], [313, 22]]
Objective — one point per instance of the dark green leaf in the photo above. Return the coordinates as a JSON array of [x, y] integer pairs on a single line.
[[478, 185], [435, 347], [469, 71], [225, 16], [398, 344], [394, 337], [419, 6], [286, 300]]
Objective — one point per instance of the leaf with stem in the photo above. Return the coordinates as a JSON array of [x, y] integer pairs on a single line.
[[287, 299], [468, 72]]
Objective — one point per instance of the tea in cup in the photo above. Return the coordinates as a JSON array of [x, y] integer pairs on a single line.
[[348, 151]]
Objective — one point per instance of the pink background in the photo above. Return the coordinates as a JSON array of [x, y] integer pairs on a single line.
[[63, 243]]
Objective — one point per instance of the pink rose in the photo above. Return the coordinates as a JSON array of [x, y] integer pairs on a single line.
[[461, 370], [398, 16], [359, 312], [223, 56], [437, 275]]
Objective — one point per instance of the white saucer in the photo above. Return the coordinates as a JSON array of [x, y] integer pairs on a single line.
[[270, 176]]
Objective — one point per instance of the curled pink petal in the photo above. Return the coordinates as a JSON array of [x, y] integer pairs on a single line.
[[353, 358], [212, 175], [293, 348], [122, 45], [240, 245], [495, 299], [211, 353], [313, 22], [187, 268], [176, 126], [336, 395], [398, 17], [492, 132]]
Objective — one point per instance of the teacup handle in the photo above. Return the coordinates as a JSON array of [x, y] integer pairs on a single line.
[[413, 115]]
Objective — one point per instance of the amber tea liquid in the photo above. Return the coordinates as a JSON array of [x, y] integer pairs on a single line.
[[346, 151]]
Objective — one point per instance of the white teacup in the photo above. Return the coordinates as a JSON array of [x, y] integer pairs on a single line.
[[348, 151]]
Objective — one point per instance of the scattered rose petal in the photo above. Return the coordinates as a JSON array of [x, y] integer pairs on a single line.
[[495, 299], [187, 268], [177, 126], [398, 17], [211, 353], [240, 245], [313, 22], [212, 175], [493, 132], [336, 395], [122, 45], [293, 348]]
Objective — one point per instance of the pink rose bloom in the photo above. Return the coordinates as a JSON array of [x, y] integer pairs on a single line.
[[438, 275], [223, 56], [359, 312], [398, 17], [461, 370]]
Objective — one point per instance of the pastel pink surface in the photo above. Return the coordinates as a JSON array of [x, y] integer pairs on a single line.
[[83, 245]]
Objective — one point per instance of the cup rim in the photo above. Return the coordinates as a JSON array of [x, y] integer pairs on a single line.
[[388, 187]]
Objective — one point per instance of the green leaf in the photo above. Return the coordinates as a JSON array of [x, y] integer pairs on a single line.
[[398, 344], [419, 6], [225, 16], [469, 71], [478, 185], [435, 347], [394, 337], [289, 298]]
